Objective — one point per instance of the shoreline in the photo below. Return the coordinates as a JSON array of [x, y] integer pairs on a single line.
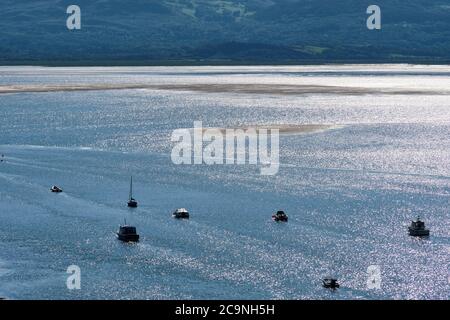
[[220, 62]]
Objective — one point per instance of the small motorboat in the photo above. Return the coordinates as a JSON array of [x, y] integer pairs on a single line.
[[132, 203], [280, 216], [417, 229], [127, 233], [330, 283], [56, 189], [181, 213]]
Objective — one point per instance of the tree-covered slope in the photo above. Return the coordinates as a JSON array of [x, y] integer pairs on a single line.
[[229, 30]]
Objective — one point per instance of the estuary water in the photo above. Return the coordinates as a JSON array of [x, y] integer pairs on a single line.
[[350, 190]]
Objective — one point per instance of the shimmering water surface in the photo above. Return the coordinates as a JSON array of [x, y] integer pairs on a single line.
[[350, 192]]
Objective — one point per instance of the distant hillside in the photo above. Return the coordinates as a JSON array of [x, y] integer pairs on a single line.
[[223, 31]]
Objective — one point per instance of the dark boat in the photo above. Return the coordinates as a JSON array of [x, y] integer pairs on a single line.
[[56, 189], [181, 213], [280, 216], [127, 234], [132, 203], [330, 283], [417, 229]]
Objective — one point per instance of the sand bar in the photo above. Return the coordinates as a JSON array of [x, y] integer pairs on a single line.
[[278, 89], [284, 129]]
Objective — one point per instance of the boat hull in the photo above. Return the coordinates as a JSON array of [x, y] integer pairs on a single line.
[[128, 237], [278, 219], [330, 284], [418, 233], [181, 216], [132, 204], [327, 286]]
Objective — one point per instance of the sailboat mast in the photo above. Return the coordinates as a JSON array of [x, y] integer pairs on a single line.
[[131, 188]]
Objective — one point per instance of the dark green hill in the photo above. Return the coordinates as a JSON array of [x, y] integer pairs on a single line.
[[216, 31]]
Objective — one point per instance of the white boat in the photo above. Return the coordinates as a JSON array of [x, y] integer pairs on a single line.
[[56, 189], [181, 213]]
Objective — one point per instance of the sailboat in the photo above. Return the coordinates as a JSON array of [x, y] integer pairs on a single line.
[[132, 203]]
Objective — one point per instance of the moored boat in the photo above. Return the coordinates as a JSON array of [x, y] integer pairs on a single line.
[[132, 203], [417, 229], [127, 233], [56, 189], [280, 216], [181, 213], [330, 283]]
